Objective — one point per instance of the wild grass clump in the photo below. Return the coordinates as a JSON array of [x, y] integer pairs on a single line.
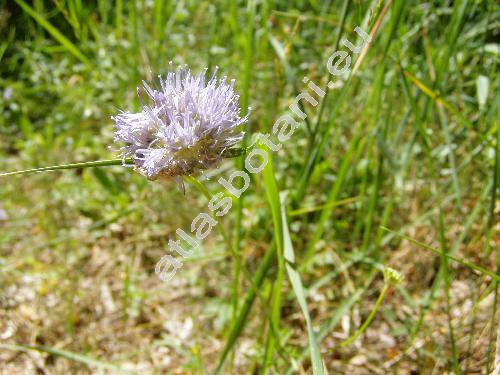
[[366, 244]]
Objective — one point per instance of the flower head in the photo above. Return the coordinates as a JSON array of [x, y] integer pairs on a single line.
[[186, 129], [391, 276]]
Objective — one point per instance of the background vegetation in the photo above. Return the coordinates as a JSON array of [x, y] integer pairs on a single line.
[[410, 143]]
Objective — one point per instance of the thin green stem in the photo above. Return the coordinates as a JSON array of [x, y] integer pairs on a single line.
[[340, 30], [247, 73], [367, 322], [446, 276], [87, 164], [228, 153], [458, 260]]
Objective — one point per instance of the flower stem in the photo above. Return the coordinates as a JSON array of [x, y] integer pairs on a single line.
[[228, 153], [87, 164], [351, 339]]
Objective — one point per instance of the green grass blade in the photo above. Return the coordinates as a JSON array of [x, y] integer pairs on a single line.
[[298, 288], [321, 207], [247, 73], [454, 258], [340, 30], [446, 277], [321, 141], [241, 319], [488, 236], [431, 94], [56, 34], [333, 195], [119, 18], [337, 315], [430, 295], [273, 198]]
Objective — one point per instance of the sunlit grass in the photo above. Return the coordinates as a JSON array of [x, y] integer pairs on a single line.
[[408, 141]]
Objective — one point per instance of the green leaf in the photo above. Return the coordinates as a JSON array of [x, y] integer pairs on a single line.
[[298, 289], [111, 186], [273, 198]]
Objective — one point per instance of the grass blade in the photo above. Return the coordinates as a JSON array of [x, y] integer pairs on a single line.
[[489, 235], [321, 207], [298, 288], [247, 73], [273, 198], [337, 315], [56, 34], [241, 319], [446, 276], [431, 94], [86, 360], [454, 258]]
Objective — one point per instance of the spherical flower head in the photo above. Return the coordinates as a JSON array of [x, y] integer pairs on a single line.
[[190, 123], [391, 276]]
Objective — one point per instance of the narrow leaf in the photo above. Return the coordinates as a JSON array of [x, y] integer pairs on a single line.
[[298, 288], [56, 34], [89, 361], [458, 260]]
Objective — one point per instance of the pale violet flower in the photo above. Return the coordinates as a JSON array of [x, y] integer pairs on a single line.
[[190, 123]]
